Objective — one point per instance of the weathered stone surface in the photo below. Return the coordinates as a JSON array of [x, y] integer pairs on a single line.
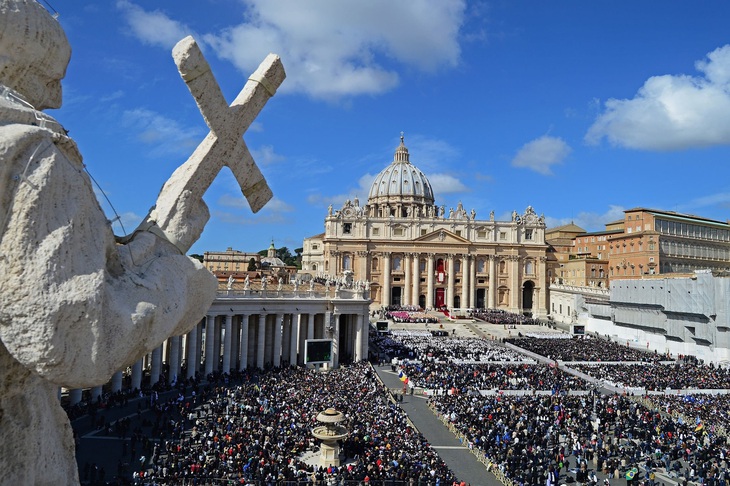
[[75, 304]]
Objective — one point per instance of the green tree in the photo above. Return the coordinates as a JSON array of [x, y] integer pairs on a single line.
[[197, 257]]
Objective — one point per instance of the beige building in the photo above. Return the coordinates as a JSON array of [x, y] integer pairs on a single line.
[[411, 251]]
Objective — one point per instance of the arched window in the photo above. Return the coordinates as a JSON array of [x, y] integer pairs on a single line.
[[502, 266], [347, 262], [396, 263], [374, 264]]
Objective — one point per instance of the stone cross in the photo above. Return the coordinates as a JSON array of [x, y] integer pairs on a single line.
[[177, 212]]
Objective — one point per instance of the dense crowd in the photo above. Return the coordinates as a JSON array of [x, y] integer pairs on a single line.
[[657, 376], [257, 431], [423, 346], [712, 410], [584, 348], [498, 316], [410, 317]]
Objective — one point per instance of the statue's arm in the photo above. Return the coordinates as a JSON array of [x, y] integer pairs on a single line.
[[76, 306]]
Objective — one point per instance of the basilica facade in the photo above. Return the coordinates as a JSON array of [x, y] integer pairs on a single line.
[[410, 251]]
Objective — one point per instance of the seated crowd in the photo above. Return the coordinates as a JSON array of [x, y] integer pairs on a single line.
[[425, 347], [657, 376], [498, 316], [258, 430], [585, 348]]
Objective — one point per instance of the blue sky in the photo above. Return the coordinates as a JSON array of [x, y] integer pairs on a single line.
[[579, 109]]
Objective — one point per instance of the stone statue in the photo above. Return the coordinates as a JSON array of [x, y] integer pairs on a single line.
[[451, 213], [514, 215], [473, 214], [356, 202], [247, 283], [281, 284], [264, 278], [311, 284], [491, 215], [329, 210], [367, 284], [442, 211], [231, 280], [327, 285], [296, 285], [113, 299]]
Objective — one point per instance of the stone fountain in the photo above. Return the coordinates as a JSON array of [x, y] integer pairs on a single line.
[[329, 433]]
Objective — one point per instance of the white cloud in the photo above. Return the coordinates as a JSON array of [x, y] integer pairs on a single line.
[[165, 135], [589, 221], [446, 184], [721, 200], [126, 223], [672, 112], [541, 154], [336, 48], [239, 202], [265, 155], [153, 28]]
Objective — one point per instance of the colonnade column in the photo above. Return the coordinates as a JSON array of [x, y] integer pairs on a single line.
[[277, 340], [174, 362], [191, 352], [260, 350], [492, 294], [464, 281], [116, 384], [217, 344], [451, 281], [429, 280], [156, 366], [407, 291], [74, 396], [137, 375], [243, 343], [385, 277], [416, 288], [199, 346], [335, 340], [96, 392], [209, 343], [235, 352], [515, 291], [310, 326], [228, 330], [293, 338]]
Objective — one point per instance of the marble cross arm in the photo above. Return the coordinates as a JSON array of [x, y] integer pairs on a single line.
[[224, 146]]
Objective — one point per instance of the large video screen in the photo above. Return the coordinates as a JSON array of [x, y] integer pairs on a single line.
[[317, 351], [381, 326]]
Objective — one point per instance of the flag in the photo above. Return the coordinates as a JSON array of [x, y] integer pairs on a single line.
[[699, 427], [405, 382]]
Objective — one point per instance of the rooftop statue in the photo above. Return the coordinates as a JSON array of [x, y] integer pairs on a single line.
[[76, 302]]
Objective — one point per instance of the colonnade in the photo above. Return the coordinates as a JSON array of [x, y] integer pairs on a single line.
[[238, 340]]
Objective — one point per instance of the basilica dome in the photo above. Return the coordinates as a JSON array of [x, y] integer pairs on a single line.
[[401, 182]]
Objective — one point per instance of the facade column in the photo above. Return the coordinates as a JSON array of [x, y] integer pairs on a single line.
[[293, 338], [429, 280], [492, 292], [243, 343], [74, 396], [541, 310], [451, 281], [385, 287], [514, 300], [209, 344], [408, 290], [464, 281], [260, 348], [227, 344], [191, 352], [156, 365], [359, 332], [416, 290], [174, 362], [116, 381], [364, 264], [276, 356], [137, 375], [472, 281]]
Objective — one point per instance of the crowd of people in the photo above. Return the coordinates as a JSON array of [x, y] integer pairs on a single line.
[[259, 429], [498, 316], [584, 348], [656, 376], [423, 346]]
